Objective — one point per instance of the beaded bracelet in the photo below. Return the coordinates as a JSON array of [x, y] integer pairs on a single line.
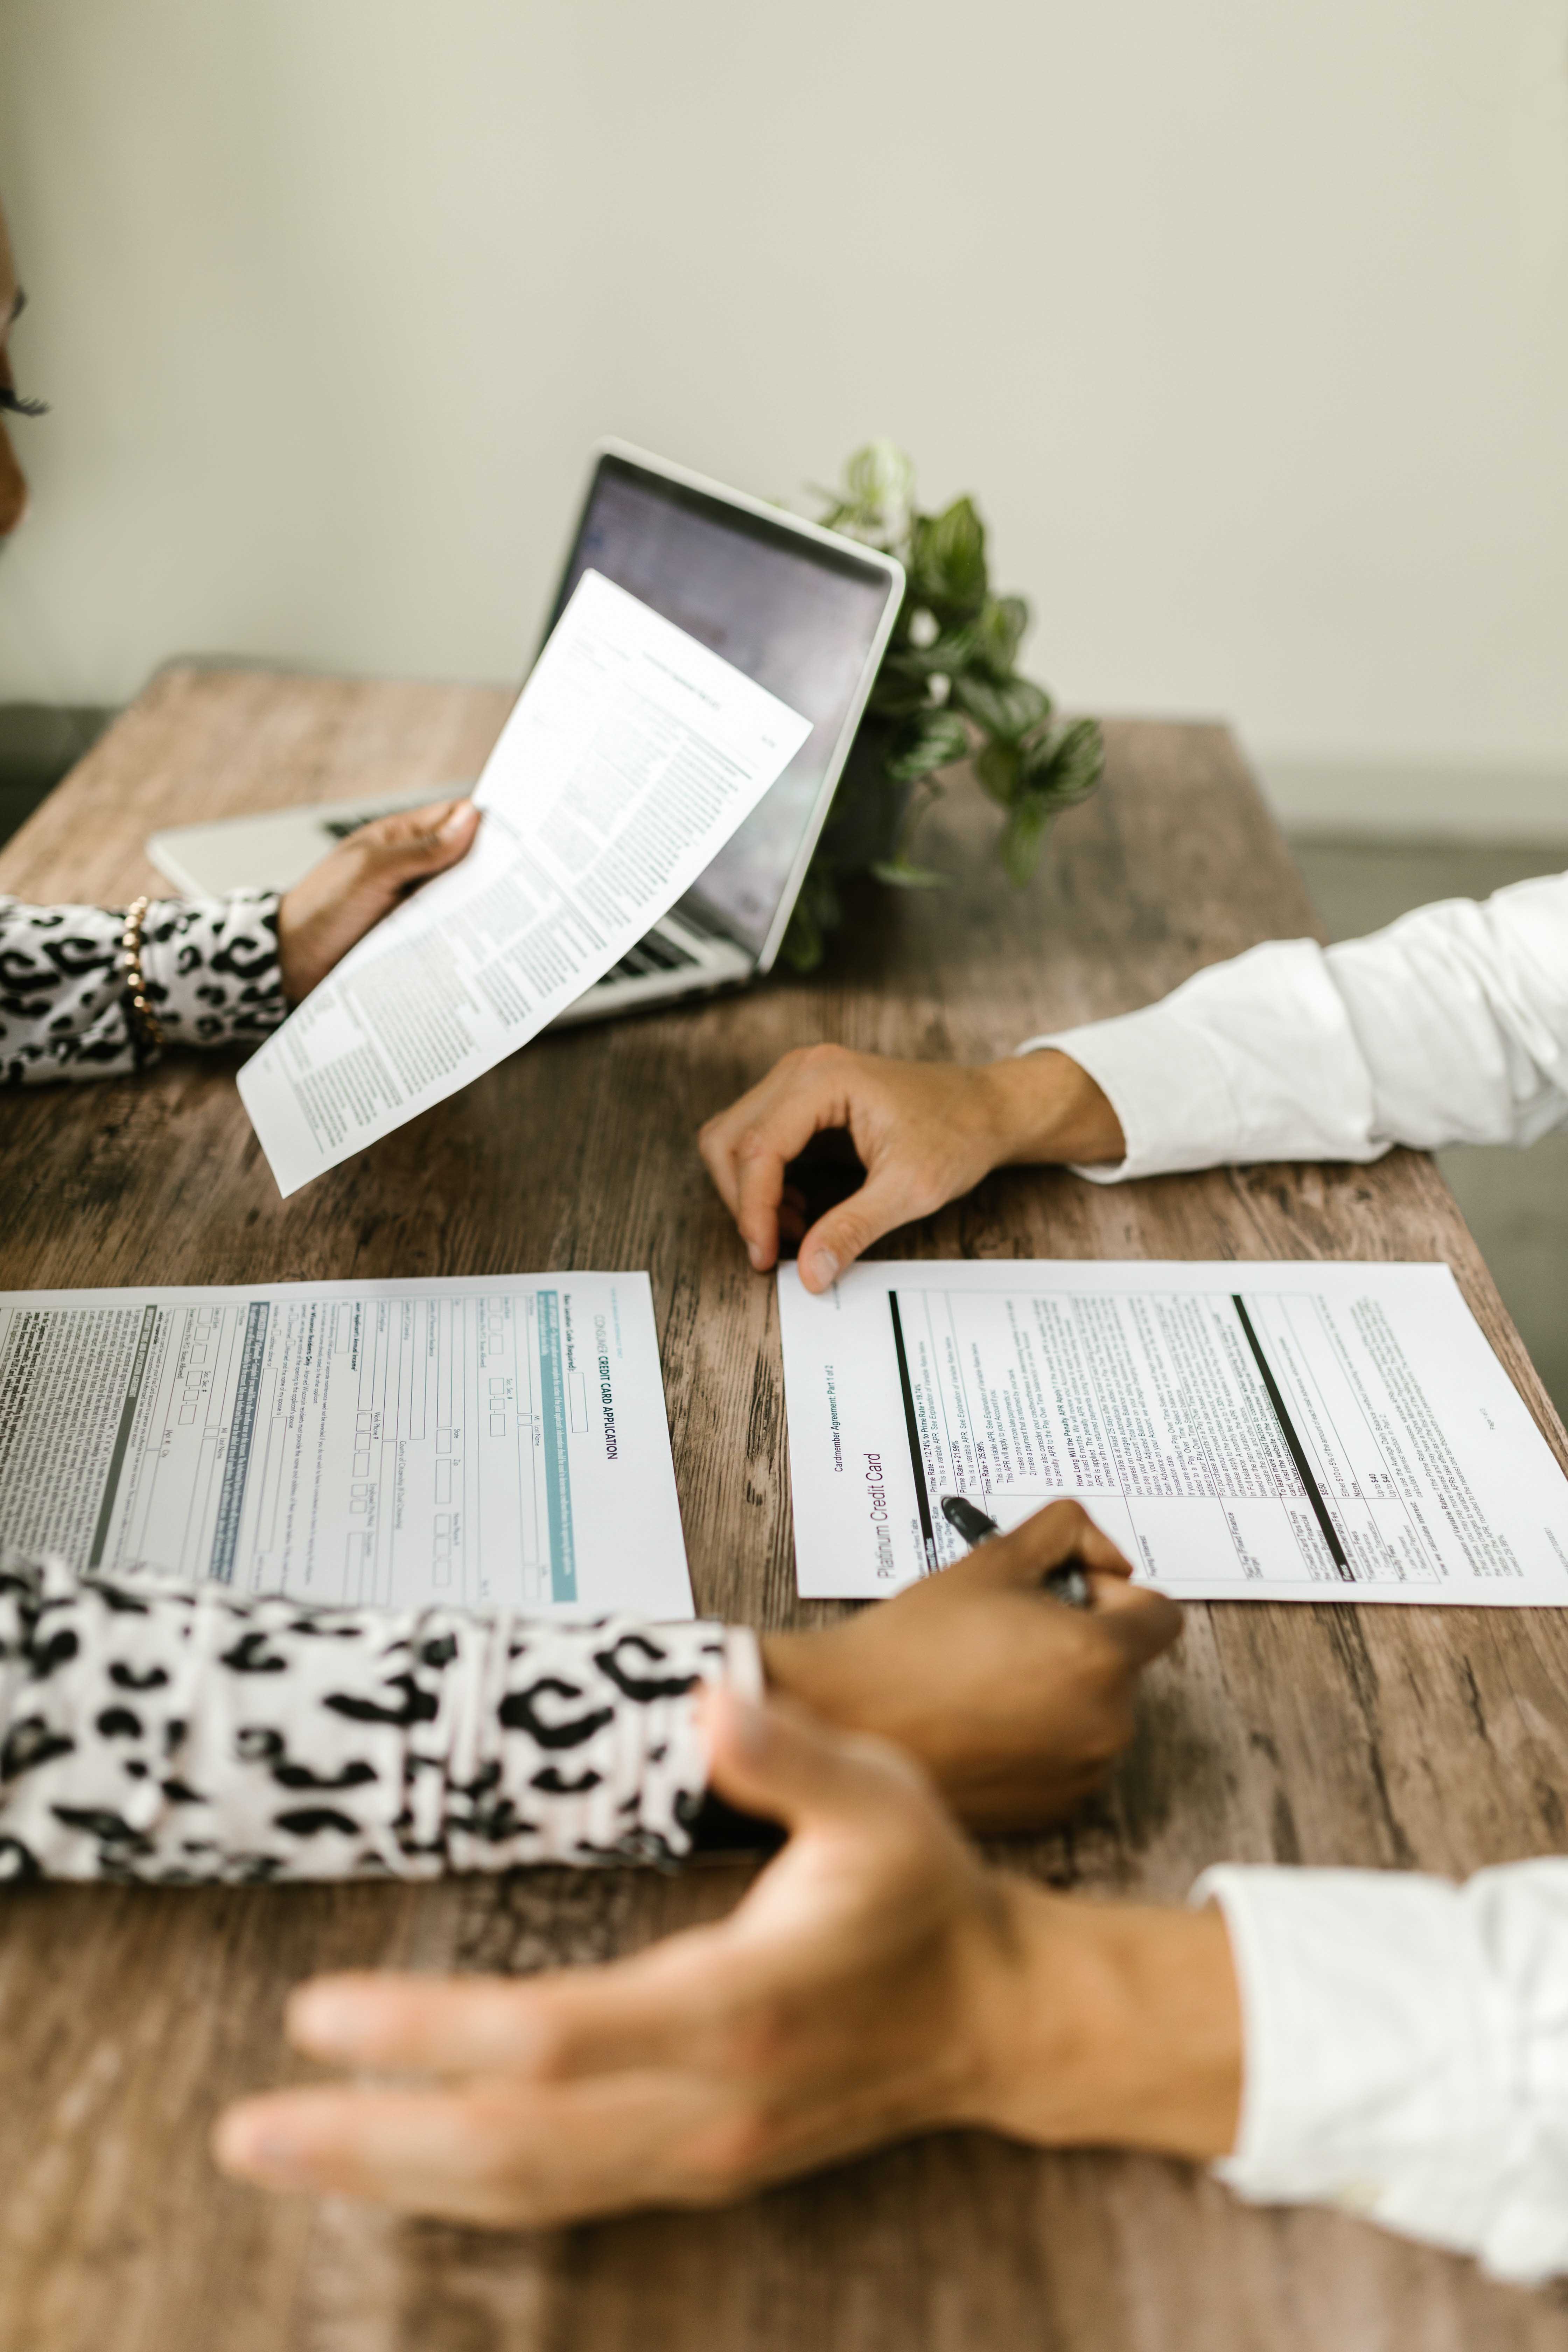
[[146, 1030]]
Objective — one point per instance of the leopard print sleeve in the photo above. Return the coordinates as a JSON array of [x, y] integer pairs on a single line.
[[210, 967], [157, 1731]]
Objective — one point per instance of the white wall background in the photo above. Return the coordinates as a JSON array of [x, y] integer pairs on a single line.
[[1246, 320]]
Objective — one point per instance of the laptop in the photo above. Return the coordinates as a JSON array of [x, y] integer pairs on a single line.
[[804, 611]]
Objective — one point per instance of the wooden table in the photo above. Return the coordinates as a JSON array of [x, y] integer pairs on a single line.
[[1387, 1737]]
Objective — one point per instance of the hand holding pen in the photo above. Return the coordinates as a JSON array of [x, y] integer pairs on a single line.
[[1066, 1583], [1016, 1704]]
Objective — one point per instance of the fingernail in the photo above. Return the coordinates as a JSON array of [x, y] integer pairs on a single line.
[[754, 1252], [455, 821], [262, 2151], [823, 1268], [277, 2157], [327, 2016]]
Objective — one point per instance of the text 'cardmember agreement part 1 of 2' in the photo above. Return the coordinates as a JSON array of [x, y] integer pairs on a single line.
[[495, 1443], [1241, 1430], [630, 757]]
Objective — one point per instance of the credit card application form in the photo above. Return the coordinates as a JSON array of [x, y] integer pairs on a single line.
[[496, 1442]]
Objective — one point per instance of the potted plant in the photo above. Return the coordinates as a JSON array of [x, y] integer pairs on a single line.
[[948, 691]]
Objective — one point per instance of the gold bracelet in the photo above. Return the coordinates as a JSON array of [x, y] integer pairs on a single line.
[[146, 1030]]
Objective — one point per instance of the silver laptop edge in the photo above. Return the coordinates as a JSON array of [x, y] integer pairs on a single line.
[[272, 850], [875, 561]]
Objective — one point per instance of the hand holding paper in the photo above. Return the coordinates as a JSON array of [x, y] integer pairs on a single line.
[[632, 755]]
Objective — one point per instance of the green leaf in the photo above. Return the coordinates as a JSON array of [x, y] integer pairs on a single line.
[[1023, 837], [896, 694], [880, 475], [874, 504], [1000, 770], [945, 656], [900, 874], [1066, 770], [929, 740], [817, 911], [998, 634], [947, 561], [803, 941], [1008, 709]]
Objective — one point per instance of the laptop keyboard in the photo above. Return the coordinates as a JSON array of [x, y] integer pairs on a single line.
[[340, 827], [654, 953]]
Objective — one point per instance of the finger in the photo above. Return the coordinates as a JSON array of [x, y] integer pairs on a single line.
[[777, 1761], [398, 2147], [764, 1150], [436, 2024], [719, 1140], [417, 842], [888, 1197], [634, 2012], [516, 2156], [1143, 1621]]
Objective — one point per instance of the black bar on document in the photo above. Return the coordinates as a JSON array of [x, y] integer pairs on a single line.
[[1314, 1492], [928, 1532], [241, 1432], [122, 1437]]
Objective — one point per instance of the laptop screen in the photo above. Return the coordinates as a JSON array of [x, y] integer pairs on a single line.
[[799, 617]]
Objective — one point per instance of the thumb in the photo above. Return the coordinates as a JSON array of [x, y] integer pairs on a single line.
[[888, 1198], [776, 1761], [419, 842]]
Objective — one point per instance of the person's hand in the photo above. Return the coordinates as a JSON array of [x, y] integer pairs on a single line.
[[925, 1132], [360, 881], [876, 1982], [1016, 1704]]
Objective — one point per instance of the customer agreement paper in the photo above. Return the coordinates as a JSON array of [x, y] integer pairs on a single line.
[[632, 754], [1267, 1431], [496, 1442]]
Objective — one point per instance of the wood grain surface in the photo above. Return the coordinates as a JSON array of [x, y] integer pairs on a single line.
[[1433, 1739]]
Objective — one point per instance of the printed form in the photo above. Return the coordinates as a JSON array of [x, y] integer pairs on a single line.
[[497, 1443], [1269, 1430], [630, 757]]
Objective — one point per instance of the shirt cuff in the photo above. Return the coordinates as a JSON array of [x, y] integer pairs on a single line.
[[1251, 1060], [1167, 1087], [1379, 2073]]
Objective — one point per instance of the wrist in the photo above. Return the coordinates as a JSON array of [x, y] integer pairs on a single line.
[[1046, 1108], [1109, 2025], [799, 1666]]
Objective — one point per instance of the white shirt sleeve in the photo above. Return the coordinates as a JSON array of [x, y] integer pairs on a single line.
[[1451, 1026], [1406, 2052]]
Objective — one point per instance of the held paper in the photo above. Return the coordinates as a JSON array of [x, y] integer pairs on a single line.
[[632, 754], [1265, 1430], [497, 1443]]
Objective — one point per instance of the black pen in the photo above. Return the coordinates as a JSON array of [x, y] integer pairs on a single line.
[[1066, 1583]]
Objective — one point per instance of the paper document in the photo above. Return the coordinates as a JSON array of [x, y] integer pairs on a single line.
[[1265, 1430], [630, 758], [493, 1443]]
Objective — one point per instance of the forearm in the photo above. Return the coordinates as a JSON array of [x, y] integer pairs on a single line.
[[166, 1733], [1048, 1109], [1450, 1026], [210, 970], [1119, 2026], [1402, 2043]]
